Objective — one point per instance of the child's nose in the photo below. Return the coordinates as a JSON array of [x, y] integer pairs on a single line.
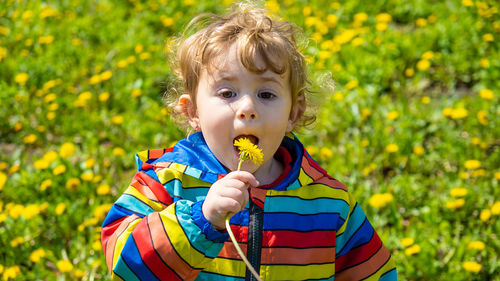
[[247, 109]]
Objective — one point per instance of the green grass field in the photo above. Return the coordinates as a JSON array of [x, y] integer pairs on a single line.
[[412, 127]]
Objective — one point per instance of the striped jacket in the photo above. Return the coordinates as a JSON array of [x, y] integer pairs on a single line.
[[307, 227]]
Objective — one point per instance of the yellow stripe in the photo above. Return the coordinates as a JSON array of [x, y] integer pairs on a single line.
[[388, 266], [291, 272], [304, 178], [143, 155], [179, 167], [116, 277], [352, 203], [227, 267], [154, 205], [179, 240], [167, 174], [312, 191], [120, 242]]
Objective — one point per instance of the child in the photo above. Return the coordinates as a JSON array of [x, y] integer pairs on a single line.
[[243, 76]]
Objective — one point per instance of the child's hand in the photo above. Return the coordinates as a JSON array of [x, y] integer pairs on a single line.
[[227, 195]]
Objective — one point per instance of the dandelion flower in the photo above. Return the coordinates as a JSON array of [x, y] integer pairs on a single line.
[[392, 115], [60, 208], [453, 205], [248, 150], [325, 153], [418, 150], [64, 266], [391, 148], [485, 215], [423, 65], [476, 245], [486, 94], [3, 180], [415, 249], [59, 169], [37, 255], [472, 164], [472, 266], [380, 200], [458, 192], [73, 183], [103, 189], [495, 209], [21, 78], [67, 150], [407, 241], [29, 139]]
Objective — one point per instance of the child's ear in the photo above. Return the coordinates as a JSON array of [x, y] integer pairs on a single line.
[[188, 108], [297, 111]]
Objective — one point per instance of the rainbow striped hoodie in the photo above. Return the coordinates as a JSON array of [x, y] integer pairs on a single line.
[[306, 227]]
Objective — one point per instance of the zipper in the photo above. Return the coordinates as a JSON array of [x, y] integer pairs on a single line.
[[254, 246]]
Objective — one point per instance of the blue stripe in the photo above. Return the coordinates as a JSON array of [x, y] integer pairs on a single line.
[[133, 204], [353, 223], [287, 221], [132, 257], [362, 236], [116, 212], [302, 206], [389, 276], [121, 269], [207, 276]]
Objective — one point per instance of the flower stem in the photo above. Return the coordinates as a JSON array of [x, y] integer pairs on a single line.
[[240, 252]]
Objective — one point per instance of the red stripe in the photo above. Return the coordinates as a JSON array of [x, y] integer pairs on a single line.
[[108, 230], [157, 188], [358, 255], [294, 239], [148, 254]]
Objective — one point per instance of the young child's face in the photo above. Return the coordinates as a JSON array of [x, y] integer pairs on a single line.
[[232, 102]]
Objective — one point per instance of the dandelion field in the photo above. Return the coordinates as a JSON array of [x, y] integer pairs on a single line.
[[411, 128]]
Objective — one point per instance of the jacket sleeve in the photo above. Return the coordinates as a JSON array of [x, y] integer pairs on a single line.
[[147, 236], [360, 253]]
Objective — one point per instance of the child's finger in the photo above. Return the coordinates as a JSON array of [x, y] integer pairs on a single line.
[[244, 176]]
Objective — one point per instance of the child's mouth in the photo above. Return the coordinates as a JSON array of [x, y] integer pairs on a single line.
[[251, 138]]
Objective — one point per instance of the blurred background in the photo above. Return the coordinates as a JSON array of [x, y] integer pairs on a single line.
[[412, 127]]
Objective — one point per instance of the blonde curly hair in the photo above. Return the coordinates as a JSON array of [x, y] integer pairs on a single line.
[[208, 36]]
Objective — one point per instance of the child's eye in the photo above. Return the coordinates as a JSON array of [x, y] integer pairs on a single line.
[[227, 94], [266, 95]]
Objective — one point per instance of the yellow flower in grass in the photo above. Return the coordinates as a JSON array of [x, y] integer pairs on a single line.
[[408, 241], [485, 215], [458, 192], [476, 245], [45, 184], [380, 200], [486, 94], [37, 255], [106, 75], [3, 180], [484, 62], [392, 115], [29, 139], [118, 151], [103, 189], [87, 176], [67, 150], [325, 153], [453, 205], [31, 211], [59, 169], [459, 113], [472, 164], [73, 183], [418, 150], [104, 96], [11, 272], [64, 266], [482, 117], [472, 266], [391, 148], [21, 78], [60, 208], [423, 65], [495, 209], [415, 249], [248, 150]]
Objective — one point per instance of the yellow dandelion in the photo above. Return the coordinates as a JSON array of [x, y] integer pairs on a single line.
[[94, 79], [97, 245], [144, 56], [45, 184], [60, 208], [67, 150], [495, 209], [136, 93], [14, 169], [87, 176], [37, 255], [41, 164], [458, 192], [467, 3], [459, 113], [409, 72], [391, 148], [407, 241], [89, 163], [418, 150], [472, 164], [103, 189], [248, 150], [484, 62], [392, 115], [365, 143], [476, 245], [447, 112], [167, 21], [351, 84], [122, 64], [425, 100], [21, 78], [78, 273], [118, 151], [485, 215], [3, 180], [383, 17], [421, 22], [380, 200], [11, 272], [488, 37], [472, 266], [331, 20], [486, 94], [117, 119], [325, 153], [59, 169], [360, 17], [139, 48], [106, 75], [415, 249], [311, 149], [104, 96], [482, 117], [453, 205], [497, 175], [365, 113], [423, 65], [73, 183], [30, 139], [64, 266], [31, 211]]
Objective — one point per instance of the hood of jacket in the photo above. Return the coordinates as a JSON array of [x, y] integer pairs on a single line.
[[193, 157]]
